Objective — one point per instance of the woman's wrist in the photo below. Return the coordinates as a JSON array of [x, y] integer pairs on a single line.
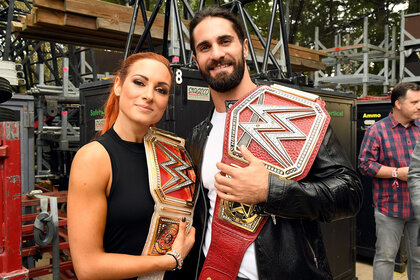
[[173, 263], [177, 257]]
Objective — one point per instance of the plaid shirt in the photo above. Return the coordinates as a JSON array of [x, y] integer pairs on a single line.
[[389, 143]]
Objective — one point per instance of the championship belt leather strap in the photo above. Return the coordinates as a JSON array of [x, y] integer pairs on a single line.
[[172, 186], [282, 126]]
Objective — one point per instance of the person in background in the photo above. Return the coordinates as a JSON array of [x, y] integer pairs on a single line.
[[109, 201], [290, 244], [385, 155], [414, 184]]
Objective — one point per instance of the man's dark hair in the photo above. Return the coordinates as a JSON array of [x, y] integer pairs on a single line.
[[216, 11], [400, 91]]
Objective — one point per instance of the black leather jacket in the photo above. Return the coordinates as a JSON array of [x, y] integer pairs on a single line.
[[291, 248]]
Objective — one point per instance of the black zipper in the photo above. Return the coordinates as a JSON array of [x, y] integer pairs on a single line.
[[315, 259]]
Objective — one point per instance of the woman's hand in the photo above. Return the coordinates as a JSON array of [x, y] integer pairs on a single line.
[[184, 241]]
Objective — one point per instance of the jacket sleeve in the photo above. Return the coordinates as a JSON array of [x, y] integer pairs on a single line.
[[332, 189], [414, 180]]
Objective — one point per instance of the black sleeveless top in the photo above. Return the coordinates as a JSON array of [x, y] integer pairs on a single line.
[[130, 204]]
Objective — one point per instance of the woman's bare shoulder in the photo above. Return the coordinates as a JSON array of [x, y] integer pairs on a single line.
[[92, 151], [91, 166], [90, 157]]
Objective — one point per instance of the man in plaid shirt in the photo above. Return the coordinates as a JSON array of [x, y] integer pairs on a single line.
[[385, 156]]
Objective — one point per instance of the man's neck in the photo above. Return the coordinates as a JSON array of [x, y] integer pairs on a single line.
[[236, 93], [400, 118]]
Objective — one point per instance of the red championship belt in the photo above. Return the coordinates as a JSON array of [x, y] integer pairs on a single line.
[[172, 186], [282, 126]]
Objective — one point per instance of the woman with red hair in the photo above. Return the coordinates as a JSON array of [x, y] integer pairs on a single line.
[[109, 201]]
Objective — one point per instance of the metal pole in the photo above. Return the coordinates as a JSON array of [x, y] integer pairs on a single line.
[[65, 76], [251, 47], [148, 26], [402, 57], [9, 30], [393, 57], [180, 33], [287, 17], [386, 62], [166, 29], [260, 37], [317, 73], [149, 36], [174, 47], [132, 27], [270, 32], [285, 40], [56, 239], [365, 57], [40, 113]]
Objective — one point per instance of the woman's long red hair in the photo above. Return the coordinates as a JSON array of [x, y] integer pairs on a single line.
[[112, 104]]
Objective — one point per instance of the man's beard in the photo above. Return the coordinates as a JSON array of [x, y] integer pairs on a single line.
[[224, 82]]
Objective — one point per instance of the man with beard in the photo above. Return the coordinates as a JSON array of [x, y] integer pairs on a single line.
[[289, 245]]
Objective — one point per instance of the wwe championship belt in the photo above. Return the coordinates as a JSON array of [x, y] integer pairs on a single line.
[[282, 126], [172, 185]]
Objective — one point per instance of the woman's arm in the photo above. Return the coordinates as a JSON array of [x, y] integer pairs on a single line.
[[90, 179]]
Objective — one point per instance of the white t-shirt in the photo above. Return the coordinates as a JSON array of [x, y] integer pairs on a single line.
[[212, 154]]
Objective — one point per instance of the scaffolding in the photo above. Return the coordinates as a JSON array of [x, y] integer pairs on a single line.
[[410, 48], [352, 64]]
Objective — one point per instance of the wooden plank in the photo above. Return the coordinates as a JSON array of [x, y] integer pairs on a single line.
[[307, 54], [73, 36], [50, 4], [85, 22], [17, 26], [72, 39], [318, 52], [70, 30], [55, 17], [29, 18], [111, 12], [41, 15], [22, 20], [300, 64], [104, 25], [296, 51], [99, 8]]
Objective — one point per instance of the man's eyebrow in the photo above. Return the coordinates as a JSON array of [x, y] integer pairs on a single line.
[[201, 44], [222, 37], [219, 38]]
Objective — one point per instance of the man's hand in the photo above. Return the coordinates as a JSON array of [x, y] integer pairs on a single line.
[[246, 185]]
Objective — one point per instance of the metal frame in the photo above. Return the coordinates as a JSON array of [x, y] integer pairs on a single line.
[[29, 53], [351, 67], [52, 93], [412, 44], [180, 52]]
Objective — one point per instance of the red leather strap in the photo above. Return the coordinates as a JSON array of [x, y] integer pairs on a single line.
[[234, 242]]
